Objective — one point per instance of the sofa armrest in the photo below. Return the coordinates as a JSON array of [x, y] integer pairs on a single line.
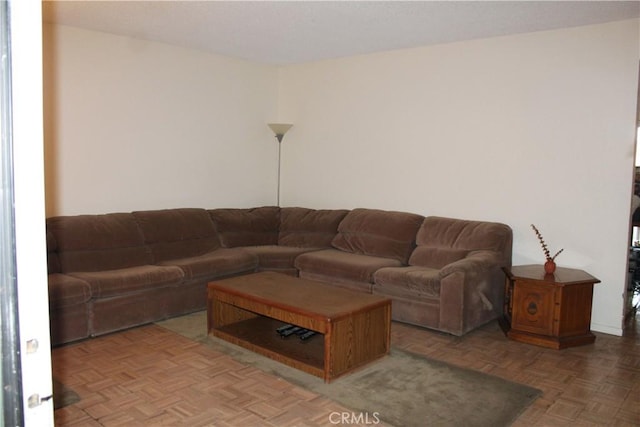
[[471, 292], [480, 261]]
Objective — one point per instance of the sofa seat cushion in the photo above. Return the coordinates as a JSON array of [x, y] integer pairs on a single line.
[[345, 265], [117, 282], [66, 291], [408, 282], [309, 228], [247, 227], [275, 256], [221, 262], [378, 233]]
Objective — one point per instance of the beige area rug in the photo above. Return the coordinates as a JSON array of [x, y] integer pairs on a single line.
[[402, 389]]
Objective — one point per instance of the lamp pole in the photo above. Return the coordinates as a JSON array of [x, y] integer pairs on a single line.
[[279, 129], [279, 156]]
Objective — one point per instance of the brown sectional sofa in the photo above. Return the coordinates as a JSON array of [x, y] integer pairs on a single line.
[[114, 271]]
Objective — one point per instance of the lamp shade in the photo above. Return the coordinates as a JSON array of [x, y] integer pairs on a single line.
[[280, 129]]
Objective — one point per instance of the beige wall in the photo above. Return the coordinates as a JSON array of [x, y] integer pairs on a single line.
[[131, 124], [534, 128]]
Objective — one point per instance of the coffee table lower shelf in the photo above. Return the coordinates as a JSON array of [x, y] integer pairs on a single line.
[[259, 335]]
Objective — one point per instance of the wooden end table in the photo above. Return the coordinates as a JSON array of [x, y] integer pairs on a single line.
[[549, 310], [354, 327]]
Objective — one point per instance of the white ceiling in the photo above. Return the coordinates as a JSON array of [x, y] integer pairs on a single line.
[[286, 32]]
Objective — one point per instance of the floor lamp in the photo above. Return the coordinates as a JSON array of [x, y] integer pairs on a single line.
[[279, 129]]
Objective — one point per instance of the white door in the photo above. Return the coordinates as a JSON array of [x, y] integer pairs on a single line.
[[26, 375]]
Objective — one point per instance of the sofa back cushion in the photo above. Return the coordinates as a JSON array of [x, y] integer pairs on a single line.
[[309, 228], [247, 227], [98, 242], [379, 233], [442, 241], [53, 262], [178, 233]]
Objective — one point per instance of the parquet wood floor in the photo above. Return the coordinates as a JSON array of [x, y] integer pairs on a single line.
[[149, 376]]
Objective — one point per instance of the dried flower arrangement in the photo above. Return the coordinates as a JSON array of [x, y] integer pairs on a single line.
[[545, 249]]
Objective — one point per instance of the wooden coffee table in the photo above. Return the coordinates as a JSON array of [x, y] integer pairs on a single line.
[[354, 328]]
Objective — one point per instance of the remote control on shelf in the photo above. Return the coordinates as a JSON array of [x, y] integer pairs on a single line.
[[281, 329], [307, 335], [290, 331]]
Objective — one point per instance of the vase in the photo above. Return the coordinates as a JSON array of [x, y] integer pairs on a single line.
[[549, 267]]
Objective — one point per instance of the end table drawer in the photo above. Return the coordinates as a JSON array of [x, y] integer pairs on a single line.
[[533, 309]]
